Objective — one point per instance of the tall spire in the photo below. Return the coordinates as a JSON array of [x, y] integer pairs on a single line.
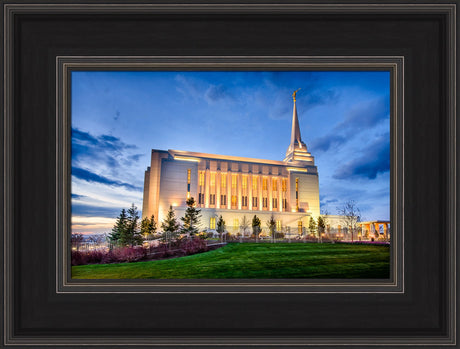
[[297, 150], [295, 132]]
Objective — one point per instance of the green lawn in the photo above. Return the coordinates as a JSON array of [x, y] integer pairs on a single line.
[[251, 260]]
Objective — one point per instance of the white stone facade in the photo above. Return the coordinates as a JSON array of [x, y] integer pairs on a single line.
[[235, 187]]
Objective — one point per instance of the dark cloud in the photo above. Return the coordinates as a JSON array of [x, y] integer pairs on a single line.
[[375, 160], [329, 201], [365, 115], [89, 176], [91, 211], [105, 150], [326, 142], [361, 117], [135, 157]]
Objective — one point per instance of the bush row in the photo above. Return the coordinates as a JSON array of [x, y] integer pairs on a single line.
[[178, 248]]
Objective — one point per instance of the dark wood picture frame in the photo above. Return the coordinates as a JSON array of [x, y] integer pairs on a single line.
[[41, 308], [66, 65]]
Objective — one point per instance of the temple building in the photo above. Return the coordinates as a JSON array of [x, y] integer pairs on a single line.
[[237, 187]]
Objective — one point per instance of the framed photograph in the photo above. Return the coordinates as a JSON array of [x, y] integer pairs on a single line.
[[292, 231], [329, 220]]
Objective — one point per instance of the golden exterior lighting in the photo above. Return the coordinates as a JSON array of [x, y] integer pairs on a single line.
[[296, 169], [234, 186], [183, 158]]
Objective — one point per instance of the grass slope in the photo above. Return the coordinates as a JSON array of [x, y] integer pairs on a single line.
[[250, 260]]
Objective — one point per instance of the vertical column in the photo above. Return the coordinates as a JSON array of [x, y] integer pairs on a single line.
[[270, 196], [249, 191], [288, 193], [280, 194], [238, 190], [229, 189], [206, 187], [260, 193], [218, 181], [385, 230]]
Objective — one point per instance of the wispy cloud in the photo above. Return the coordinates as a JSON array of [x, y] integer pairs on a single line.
[[375, 160], [362, 117], [94, 211], [217, 93], [87, 225], [106, 155], [93, 177]]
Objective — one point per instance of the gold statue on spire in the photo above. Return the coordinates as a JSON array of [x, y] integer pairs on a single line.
[[294, 94]]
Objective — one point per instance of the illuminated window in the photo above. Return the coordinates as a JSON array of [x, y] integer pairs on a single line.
[[244, 184], [223, 180], [213, 179], [278, 225], [299, 227], [254, 202], [233, 200], [234, 178], [284, 184], [275, 184], [212, 223], [236, 223], [254, 183], [188, 182], [244, 201], [212, 199], [339, 228], [297, 194], [201, 183], [264, 183], [275, 202], [223, 200]]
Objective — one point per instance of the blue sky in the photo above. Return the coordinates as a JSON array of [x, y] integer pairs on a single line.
[[118, 117]]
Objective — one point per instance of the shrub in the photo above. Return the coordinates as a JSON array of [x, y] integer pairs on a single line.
[[194, 246], [180, 247], [77, 258]]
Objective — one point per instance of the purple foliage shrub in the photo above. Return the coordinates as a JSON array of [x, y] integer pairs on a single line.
[[182, 247], [192, 246]]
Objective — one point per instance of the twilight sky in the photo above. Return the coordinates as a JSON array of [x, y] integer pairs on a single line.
[[118, 117]]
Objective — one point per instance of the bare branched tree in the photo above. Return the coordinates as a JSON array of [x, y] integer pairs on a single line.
[[351, 216], [244, 226]]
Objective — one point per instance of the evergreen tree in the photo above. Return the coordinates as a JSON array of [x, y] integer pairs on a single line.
[[271, 224], [312, 226], [256, 226], [148, 226], [119, 228], [321, 227], [132, 235], [170, 226], [191, 219], [220, 226]]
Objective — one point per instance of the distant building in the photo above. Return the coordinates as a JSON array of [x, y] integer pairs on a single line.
[[235, 187]]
